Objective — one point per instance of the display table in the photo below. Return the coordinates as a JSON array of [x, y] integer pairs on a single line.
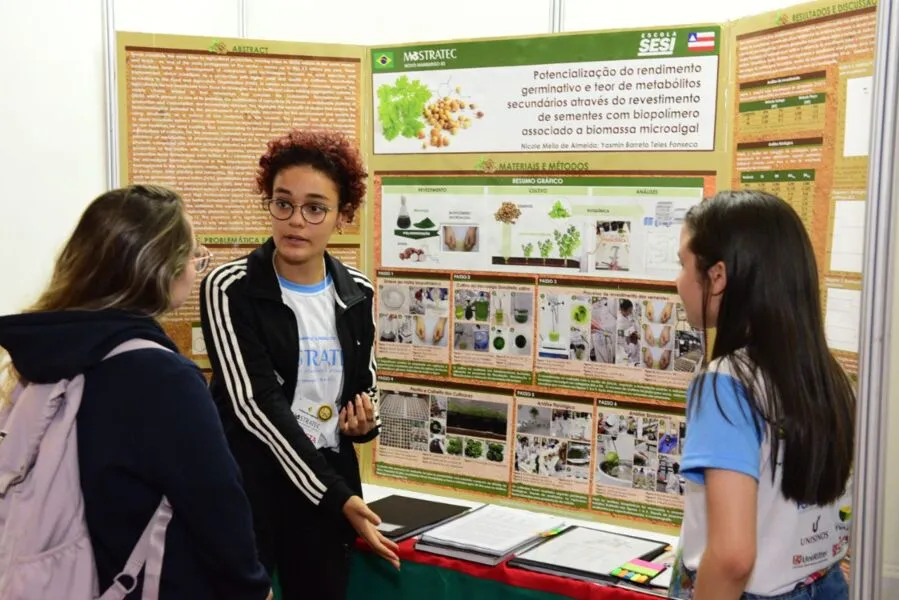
[[439, 578]]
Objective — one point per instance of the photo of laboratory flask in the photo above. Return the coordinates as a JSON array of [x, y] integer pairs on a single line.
[[554, 334]]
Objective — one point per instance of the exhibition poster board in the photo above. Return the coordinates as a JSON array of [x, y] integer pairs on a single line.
[[526, 197], [527, 206], [800, 125], [195, 114]]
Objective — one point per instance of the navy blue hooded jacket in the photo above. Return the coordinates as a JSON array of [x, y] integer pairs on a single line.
[[147, 427]]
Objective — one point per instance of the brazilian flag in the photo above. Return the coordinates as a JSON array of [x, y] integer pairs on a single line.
[[383, 60]]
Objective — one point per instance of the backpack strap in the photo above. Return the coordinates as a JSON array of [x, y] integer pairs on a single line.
[[149, 551], [134, 344], [147, 554], [156, 550]]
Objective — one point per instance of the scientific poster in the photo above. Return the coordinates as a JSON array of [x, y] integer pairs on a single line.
[[522, 226], [453, 437], [801, 122], [558, 261], [559, 286], [637, 466], [633, 91], [493, 329], [537, 177], [619, 459], [631, 343], [599, 227], [413, 323], [553, 449], [195, 114]]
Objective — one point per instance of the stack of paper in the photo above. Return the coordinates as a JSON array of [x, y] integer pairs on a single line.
[[488, 534]]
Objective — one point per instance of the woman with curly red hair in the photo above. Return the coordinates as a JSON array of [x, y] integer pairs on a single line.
[[290, 334]]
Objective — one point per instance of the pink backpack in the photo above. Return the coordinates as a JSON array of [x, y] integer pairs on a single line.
[[45, 549]]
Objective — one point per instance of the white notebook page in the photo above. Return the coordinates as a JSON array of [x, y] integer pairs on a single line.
[[494, 529], [590, 550]]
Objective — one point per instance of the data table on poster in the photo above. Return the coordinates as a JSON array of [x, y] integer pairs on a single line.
[[798, 112], [797, 188]]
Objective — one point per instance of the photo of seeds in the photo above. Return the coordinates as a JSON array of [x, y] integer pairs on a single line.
[[447, 115], [507, 213], [410, 109]]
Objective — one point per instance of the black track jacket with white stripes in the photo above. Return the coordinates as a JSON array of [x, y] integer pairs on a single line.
[[253, 343]]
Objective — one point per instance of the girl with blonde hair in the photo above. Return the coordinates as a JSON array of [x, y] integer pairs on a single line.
[[147, 426]]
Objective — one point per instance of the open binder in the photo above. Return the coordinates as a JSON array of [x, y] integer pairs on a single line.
[[589, 555]]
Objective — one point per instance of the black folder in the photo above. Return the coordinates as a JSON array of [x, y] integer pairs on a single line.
[[403, 517]]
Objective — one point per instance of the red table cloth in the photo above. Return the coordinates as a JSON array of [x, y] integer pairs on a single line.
[[518, 578]]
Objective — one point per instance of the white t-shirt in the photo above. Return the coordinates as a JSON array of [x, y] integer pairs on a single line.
[[320, 369], [792, 541]]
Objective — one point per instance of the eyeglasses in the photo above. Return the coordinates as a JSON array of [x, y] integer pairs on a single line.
[[283, 210], [202, 258]]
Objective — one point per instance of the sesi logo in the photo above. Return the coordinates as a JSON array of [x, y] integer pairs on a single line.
[[657, 44]]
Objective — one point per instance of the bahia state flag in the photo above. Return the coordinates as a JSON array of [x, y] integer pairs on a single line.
[[701, 41]]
